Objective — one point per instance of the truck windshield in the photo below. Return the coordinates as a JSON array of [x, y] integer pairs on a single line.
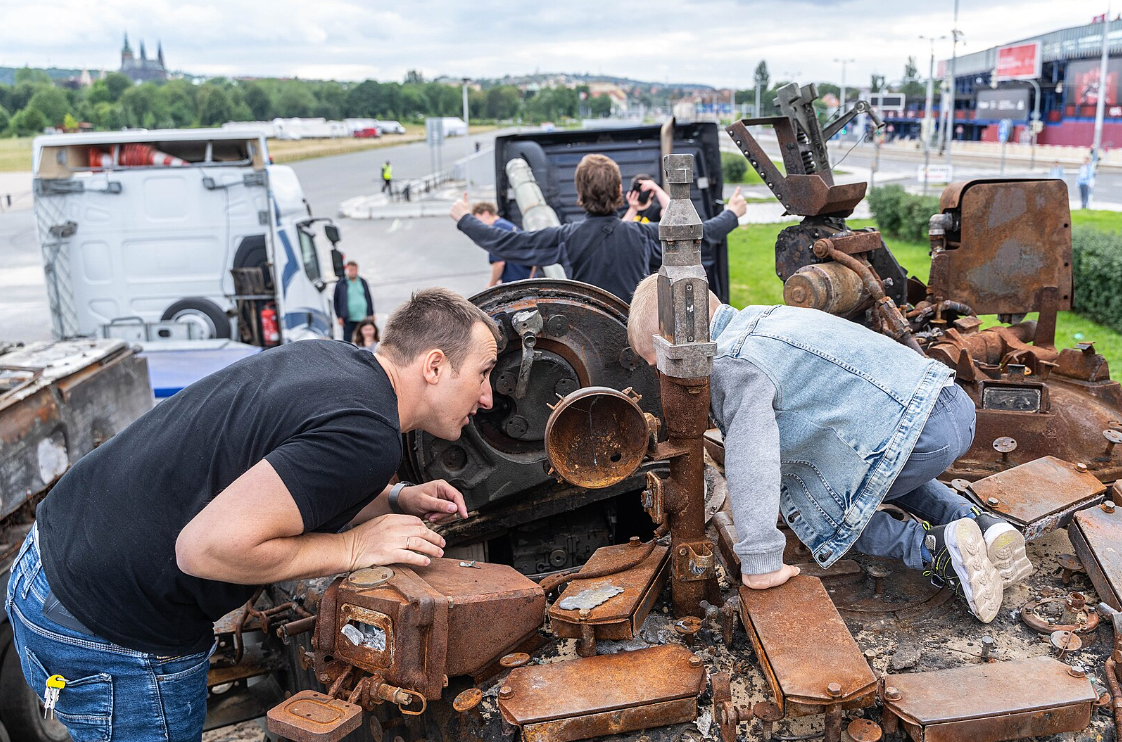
[[309, 255]]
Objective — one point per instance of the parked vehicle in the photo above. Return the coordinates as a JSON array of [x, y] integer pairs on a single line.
[[147, 232], [370, 132], [390, 127]]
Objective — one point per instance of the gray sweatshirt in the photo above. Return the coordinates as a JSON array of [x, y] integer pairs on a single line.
[[743, 400]]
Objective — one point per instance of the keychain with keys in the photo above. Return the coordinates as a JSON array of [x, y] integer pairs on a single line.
[[55, 684]]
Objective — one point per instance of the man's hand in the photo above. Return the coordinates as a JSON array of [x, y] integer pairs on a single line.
[[635, 202], [460, 209], [340, 321], [393, 539], [435, 502], [770, 579], [737, 204]]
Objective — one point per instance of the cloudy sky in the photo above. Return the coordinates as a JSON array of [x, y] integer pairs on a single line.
[[714, 42]]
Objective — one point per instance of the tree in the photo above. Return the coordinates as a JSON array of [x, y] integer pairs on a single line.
[[912, 87], [117, 84], [52, 103], [214, 105], [5, 120], [503, 102], [5, 99], [876, 83], [295, 100], [33, 77], [175, 100], [331, 100], [762, 77], [27, 122], [258, 101], [600, 106], [139, 105]]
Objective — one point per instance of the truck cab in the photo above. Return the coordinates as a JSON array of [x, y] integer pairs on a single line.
[[145, 235]]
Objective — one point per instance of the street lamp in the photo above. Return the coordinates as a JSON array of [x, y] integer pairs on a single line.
[[928, 127], [843, 62], [467, 141]]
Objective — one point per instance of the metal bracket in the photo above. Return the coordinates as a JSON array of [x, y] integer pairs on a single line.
[[52, 187], [694, 562], [528, 324]]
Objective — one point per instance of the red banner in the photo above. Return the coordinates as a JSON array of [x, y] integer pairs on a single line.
[[1019, 62]]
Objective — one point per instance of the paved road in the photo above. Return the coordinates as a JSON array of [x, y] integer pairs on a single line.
[[396, 257]]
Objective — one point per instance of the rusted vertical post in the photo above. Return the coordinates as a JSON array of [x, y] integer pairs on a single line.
[[685, 360]]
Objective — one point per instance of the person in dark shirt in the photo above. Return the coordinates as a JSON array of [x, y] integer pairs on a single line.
[[602, 249], [644, 200], [274, 468], [502, 271]]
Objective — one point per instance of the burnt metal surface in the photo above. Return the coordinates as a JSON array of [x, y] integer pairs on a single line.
[[423, 625], [1039, 496], [1013, 239], [991, 701], [606, 694], [59, 401], [583, 342], [620, 615], [314, 717], [596, 437], [783, 622], [1096, 535]]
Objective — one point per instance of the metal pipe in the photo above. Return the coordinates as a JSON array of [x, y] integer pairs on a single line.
[[536, 213]]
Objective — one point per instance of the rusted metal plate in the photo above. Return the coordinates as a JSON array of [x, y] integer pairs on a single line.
[[596, 726], [620, 614], [256, 661], [1039, 496], [991, 701], [715, 445], [313, 717], [1015, 239], [596, 437], [1097, 537], [601, 685], [804, 646]]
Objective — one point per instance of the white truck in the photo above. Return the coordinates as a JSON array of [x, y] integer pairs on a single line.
[[145, 234]]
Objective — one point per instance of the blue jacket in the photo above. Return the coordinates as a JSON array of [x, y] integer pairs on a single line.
[[844, 406], [340, 298]]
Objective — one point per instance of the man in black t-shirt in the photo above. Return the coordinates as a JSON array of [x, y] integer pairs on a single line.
[[250, 476]]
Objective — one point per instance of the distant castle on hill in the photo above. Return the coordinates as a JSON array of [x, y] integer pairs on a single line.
[[143, 69]]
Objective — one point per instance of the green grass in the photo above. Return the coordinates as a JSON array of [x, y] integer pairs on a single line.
[[15, 154], [753, 280]]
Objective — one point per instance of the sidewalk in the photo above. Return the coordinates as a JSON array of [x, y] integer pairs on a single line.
[[436, 203], [15, 191]]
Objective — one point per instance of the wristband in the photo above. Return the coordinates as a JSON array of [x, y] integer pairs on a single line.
[[395, 492]]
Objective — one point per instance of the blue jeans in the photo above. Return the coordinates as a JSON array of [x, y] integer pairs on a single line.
[[946, 435], [111, 692]]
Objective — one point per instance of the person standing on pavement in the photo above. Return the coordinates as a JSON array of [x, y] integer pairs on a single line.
[[353, 302], [502, 271], [366, 335], [387, 177], [274, 468], [1086, 181], [602, 249]]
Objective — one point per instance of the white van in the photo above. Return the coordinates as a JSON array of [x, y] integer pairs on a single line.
[[146, 226]]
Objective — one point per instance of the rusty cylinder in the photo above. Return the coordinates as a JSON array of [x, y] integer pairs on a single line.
[[830, 287]]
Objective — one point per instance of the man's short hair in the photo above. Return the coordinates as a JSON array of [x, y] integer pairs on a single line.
[[484, 207], [598, 185], [637, 179], [433, 318], [350, 263]]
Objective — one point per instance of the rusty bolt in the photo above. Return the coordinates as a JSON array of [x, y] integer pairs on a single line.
[[687, 628], [863, 730], [1077, 671], [993, 502], [467, 700], [1108, 506], [516, 659], [695, 661], [768, 713], [1076, 601], [987, 647], [878, 572], [1113, 438], [634, 541], [834, 689], [1081, 466], [584, 613], [506, 691], [892, 693], [1004, 445], [1070, 565]]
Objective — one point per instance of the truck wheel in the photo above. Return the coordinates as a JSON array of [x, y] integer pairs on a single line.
[[203, 313], [20, 707]]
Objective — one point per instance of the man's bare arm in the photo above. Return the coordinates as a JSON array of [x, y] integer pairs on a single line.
[[252, 534]]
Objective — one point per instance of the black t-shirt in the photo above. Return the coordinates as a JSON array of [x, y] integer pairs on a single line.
[[323, 413]]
